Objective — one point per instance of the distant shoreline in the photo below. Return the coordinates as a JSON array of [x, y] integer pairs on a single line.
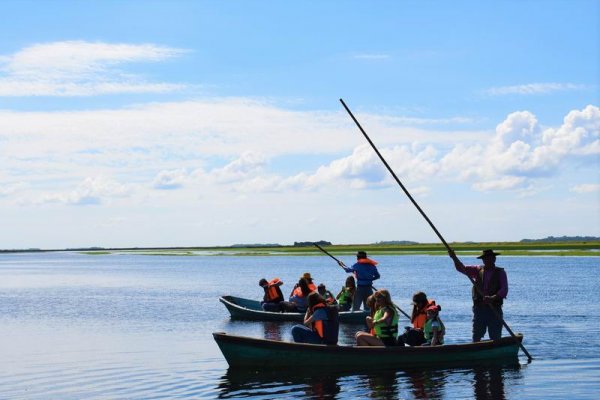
[[561, 248]]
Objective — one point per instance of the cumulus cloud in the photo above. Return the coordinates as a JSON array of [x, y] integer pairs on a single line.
[[586, 188], [93, 190], [167, 180], [534, 88], [79, 68]]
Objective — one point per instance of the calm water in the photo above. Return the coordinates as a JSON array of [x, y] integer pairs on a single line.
[[77, 326]]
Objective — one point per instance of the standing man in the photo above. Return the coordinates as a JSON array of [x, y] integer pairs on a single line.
[[365, 272], [489, 291]]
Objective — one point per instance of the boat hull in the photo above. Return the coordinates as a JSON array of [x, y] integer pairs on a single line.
[[246, 309], [247, 352]]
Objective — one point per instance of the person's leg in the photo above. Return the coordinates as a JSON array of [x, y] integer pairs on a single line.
[[366, 339], [368, 292], [303, 334], [494, 323], [357, 299], [479, 322]]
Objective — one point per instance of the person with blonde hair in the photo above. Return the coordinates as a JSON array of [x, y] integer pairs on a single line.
[[383, 324]]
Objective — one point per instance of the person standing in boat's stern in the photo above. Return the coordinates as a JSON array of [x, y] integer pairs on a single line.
[[493, 288], [365, 271]]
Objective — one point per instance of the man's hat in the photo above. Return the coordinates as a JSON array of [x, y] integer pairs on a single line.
[[306, 275], [361, 254], [488, 253]]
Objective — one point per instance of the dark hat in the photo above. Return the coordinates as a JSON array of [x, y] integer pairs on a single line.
[[488, 253], [361, 254]]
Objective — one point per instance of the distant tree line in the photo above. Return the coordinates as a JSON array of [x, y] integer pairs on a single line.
[[563, 239], [256, 245], [306, 244]]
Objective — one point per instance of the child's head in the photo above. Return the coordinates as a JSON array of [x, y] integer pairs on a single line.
[[383, 298], [371, 302], [314, 299], [322, 289], [350, 282], [419, 299], [432, 311]]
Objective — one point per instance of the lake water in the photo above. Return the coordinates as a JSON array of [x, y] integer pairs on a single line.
[[124, 326]]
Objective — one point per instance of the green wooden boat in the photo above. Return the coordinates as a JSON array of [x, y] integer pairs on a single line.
[[240, 351], [247, 309]]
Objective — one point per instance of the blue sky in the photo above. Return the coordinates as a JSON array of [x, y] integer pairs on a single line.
[[180, 123]]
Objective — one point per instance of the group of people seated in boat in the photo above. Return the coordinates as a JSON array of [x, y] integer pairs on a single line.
[[321, 324], [274, 301], [321, 309]]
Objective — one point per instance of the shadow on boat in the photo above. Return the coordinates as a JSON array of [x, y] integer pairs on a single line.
[[481, 382]]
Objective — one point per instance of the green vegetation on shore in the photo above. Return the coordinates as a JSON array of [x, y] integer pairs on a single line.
[[465, 249]]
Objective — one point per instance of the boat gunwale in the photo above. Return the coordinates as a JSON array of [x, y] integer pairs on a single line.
[[442, 349], [229, 301]]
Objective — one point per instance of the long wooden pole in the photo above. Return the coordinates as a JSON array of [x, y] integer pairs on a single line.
[[430, 224], [342, 265]]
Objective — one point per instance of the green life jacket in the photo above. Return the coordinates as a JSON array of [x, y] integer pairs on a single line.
[[381, 329], [345, 297], [428, 331]]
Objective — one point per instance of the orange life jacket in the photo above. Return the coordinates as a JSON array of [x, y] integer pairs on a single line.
[[272, 292], [298, 292], [421, 318], [317, 326], [312, 287]]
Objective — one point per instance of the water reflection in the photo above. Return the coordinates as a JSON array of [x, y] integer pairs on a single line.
[[487, 382], [272, 330]]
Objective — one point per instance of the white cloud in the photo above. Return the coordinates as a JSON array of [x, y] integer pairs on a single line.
[[172, 179], [93, 190], [11, 188], [586, 188], [78, 68], [534, 88]]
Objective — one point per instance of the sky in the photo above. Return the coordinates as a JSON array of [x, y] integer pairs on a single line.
[[212, 123]]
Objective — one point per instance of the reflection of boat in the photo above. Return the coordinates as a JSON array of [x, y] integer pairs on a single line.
[[240, 351], [241, 308]]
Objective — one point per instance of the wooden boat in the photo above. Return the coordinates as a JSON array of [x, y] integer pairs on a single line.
[[247, 309], [240, 351]]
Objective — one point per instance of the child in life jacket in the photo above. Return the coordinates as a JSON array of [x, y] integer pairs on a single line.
[[384, 323], [346, 295], [321, 325], [273, 296], [434, 329]]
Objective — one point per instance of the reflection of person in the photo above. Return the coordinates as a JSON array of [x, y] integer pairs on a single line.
[[272, 296], [489, 383], [434, 329], [320, 323], [346, 295], [489, 291], [365, 271], [384, 323]]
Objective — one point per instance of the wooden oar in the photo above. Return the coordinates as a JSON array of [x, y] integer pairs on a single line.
[[430, 223], [342, 265]]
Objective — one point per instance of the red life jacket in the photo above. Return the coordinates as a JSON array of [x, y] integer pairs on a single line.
[[312, 287], [421, 318]]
